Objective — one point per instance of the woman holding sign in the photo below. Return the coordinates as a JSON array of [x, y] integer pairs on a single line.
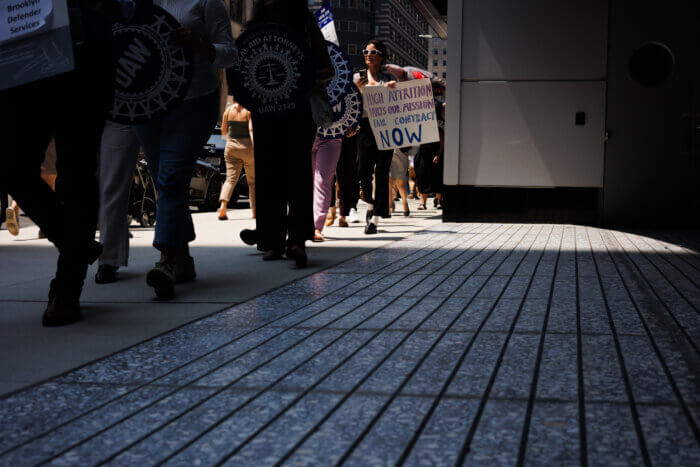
[[371, 159], [172, 141]]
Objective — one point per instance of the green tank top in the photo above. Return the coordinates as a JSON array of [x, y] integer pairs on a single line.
[[238, 130]]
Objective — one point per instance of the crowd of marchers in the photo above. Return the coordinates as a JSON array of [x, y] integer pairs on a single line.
[[73, 173]]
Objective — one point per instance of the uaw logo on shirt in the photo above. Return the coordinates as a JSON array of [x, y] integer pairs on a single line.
[[151, 75], [346, 114], [273, 73], [342, 83]]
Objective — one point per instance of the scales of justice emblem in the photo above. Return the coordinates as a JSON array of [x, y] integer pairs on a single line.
[[272, 73], [151, 76]]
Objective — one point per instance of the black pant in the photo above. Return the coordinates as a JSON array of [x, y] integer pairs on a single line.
[[284, 179], [346, 171], [68, 217], [372, 160], [428, 173], [4, 203]]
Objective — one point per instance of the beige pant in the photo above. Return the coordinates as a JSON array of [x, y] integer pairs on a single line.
[[239, 153]]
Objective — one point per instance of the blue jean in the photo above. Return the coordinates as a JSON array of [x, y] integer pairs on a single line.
[[172, 143]]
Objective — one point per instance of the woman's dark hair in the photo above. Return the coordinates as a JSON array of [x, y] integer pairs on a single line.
[[381, 48], [295, 13]]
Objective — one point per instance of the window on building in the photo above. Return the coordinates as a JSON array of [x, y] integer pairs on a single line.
[[444, 63], [434, 62], [444, 51], [444, 75], [435, 52]]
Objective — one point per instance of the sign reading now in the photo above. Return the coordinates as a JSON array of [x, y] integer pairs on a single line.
[[403, 116], [21, 17]]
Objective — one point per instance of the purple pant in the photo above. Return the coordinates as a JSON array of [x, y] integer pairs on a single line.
[[324, 159]]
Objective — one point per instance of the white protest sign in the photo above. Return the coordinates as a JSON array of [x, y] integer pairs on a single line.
[[403, 116], [21, 17]]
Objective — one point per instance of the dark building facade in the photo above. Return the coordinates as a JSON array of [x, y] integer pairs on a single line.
[[399, 24]]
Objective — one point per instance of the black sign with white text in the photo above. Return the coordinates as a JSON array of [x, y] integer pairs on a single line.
[[151, 75], [273, 72]]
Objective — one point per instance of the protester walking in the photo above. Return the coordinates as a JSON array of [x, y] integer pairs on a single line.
[[237, 128], [371, 159], [119, 153], [399, 174], [68, 216], [172, 141], [324, 159], [283, 143], [348, 181]]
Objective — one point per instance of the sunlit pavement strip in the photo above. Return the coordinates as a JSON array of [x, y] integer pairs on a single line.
[[478, 343]]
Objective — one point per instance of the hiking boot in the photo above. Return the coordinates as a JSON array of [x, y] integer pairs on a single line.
[[184, 271], [162, 279], [298, 254], [61, 312], [272, 255], [106, 274], [63, 307]]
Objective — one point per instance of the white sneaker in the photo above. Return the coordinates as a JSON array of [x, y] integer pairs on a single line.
[[353, 217]]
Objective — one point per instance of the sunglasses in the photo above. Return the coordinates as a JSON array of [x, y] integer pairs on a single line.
[[366, 52]]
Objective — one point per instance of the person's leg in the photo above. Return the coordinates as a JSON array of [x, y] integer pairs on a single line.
[[381, 174], [4, 202], [270, 154], [248, 156], [325, 154], [24, 147], [366, 152], [184, 130], [118, 155], [348, 183], [403, 192], [234, 166], [299, 184]]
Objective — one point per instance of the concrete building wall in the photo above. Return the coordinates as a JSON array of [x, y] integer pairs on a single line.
[[577, 111], [531, 84]]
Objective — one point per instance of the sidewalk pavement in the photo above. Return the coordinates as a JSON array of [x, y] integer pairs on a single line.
[[490, 344], [125, 313]]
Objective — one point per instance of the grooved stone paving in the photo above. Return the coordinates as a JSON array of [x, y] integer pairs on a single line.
[[478, 344]]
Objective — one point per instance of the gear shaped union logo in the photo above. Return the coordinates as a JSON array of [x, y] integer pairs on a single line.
[[346, 114], [342, 83], [272, 73], [151, 76]]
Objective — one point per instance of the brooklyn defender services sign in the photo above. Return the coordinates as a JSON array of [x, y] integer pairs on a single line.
[[403, 116], [35, 41]]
